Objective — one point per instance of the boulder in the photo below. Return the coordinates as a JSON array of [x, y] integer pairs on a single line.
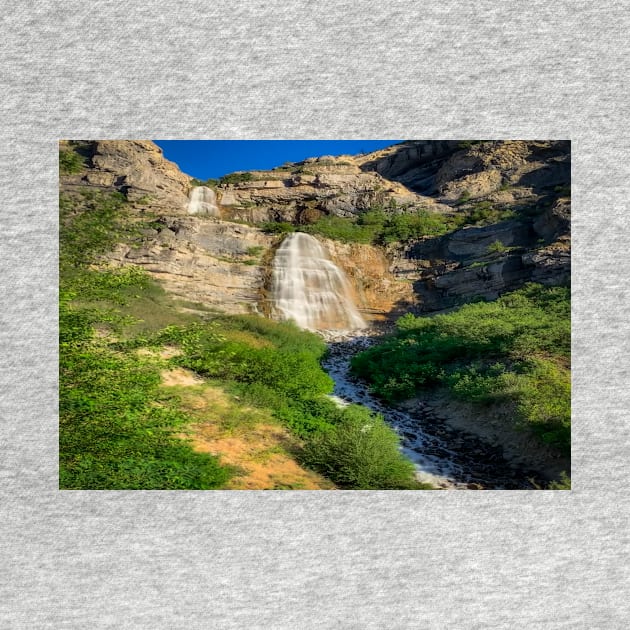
[[138, 169]]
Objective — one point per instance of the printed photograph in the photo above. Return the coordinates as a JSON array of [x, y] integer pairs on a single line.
[[315, 315]]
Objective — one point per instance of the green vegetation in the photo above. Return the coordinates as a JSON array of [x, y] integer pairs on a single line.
[[235, 178], [497, 248], [88, 227], [464, 197], [121, 429], [360, 451], [466, 144], [485, 213], [340, 229], [276, 366], [564, 483], [379, 227], [209, 183], [255, 250], [515, 351], [281, 227], [231, 178], [70, 162], [116, 427]]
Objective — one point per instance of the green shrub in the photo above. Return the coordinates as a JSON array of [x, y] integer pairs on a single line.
[[466, 144], [235, 178], [360, 451], [497, 248], [514, 349], [70, 162], [90, 226], [406, 227], [377, 227], [464, 197], [564, 483], [484, 213], [340, 229], [281, 227], [116, 431]]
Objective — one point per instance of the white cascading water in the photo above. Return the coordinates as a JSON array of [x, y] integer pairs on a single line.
[[203, 200], [307, 287]]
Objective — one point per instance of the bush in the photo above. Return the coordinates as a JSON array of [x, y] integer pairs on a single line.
[[407, 227], [497, 248], [116, 432], [464, 197], [377, 227], [90, 226], [564, 483], [235, 178], [515, 349], [70, 162], [340, 229], [484, 213], [360, 452], [281, 227]]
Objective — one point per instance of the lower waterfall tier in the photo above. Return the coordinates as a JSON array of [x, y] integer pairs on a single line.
[[310, 289]]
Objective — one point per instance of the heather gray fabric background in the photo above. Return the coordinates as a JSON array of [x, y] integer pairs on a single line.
[[271, 69]]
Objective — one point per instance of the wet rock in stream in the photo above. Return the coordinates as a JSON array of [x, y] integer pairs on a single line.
[[446, 457]]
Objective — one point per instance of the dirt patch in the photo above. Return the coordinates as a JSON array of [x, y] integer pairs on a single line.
[[181, 377], [167, 352], [262, 457], [261, 451]]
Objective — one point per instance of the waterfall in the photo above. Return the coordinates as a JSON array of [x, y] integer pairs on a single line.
[[307, 287], [203, 200]]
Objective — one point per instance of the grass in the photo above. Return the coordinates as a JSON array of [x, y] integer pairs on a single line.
[[70, 162]]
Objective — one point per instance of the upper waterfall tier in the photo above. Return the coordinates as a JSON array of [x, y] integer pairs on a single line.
[[203, 200], [307, 287]]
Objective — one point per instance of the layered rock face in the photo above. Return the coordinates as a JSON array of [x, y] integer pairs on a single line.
[[378, 291], [138, 169], [413, 163], [216, 264], [205, 246], [489, 167], [485, 262], [310, 190]]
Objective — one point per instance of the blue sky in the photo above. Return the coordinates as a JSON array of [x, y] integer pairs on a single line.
[[213, 158]]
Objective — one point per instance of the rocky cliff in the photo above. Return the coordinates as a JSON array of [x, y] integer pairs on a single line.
[[510, 200], [136, 168]]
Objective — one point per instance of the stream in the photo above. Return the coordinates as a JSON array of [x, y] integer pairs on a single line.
[[444, 457]]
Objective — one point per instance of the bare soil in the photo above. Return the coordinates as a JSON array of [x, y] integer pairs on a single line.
[[261, 451]]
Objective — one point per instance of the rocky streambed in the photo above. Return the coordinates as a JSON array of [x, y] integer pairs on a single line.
[[444, 456]]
